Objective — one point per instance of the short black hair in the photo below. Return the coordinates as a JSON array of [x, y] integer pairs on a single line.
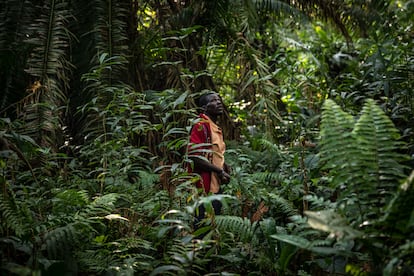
[[204, 99]]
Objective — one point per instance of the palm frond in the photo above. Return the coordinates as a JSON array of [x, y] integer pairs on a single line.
[[277, 7], [98, 92], [328, 10], [102, 58], [15, 19], [110, 34], [50, 68]]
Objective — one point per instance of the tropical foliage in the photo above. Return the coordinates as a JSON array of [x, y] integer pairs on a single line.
[[97, 101]]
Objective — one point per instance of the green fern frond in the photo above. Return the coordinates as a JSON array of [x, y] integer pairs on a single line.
[[401, 259], [100, 93], [97, 260], [318, 203], [241, 227], [281, 205], [11, 218], [270, 147], [267, 177], [378, 143], [101, 206], [336, 139], [139, 244], [268, 227], [147, 194], [399, 214], [71, 198], [362, 158], [60, 241], [148, 179], [75, 197], [183, 252]]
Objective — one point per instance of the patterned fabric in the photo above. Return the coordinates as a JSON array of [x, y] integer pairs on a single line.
[[205, 131], [218, 148]]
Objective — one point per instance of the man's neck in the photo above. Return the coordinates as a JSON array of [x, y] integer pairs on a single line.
[[212, 117]]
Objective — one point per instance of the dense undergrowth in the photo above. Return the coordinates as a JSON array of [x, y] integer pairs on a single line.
[[319, 137], [340, 207]]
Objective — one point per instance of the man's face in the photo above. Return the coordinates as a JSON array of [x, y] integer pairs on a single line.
[[214, 105]]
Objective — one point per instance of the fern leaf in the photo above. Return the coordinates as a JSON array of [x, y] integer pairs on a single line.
[[71, 198], [378, 142], [101, 206], [399, 213], [234, 224], [60, 241], [362, 158], [11, 218], [97, 260], [282, 205], [378, 170], [336, 139]]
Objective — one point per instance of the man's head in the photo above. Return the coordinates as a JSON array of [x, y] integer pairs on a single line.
[[211, 104]]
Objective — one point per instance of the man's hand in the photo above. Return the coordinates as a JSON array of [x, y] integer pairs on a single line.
[[224, 177]]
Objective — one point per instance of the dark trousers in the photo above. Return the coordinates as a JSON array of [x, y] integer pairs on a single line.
[[202, 212]]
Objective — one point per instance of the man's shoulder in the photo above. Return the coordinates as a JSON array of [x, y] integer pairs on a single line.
[[201, 125], [201, 121]]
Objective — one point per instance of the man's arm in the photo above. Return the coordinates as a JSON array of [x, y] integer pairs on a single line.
[[198, 135], [204, 165]]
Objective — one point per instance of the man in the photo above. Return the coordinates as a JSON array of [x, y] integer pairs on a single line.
[[206, 140]]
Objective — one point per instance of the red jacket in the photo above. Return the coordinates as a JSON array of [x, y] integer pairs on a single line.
[[200, 134]]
